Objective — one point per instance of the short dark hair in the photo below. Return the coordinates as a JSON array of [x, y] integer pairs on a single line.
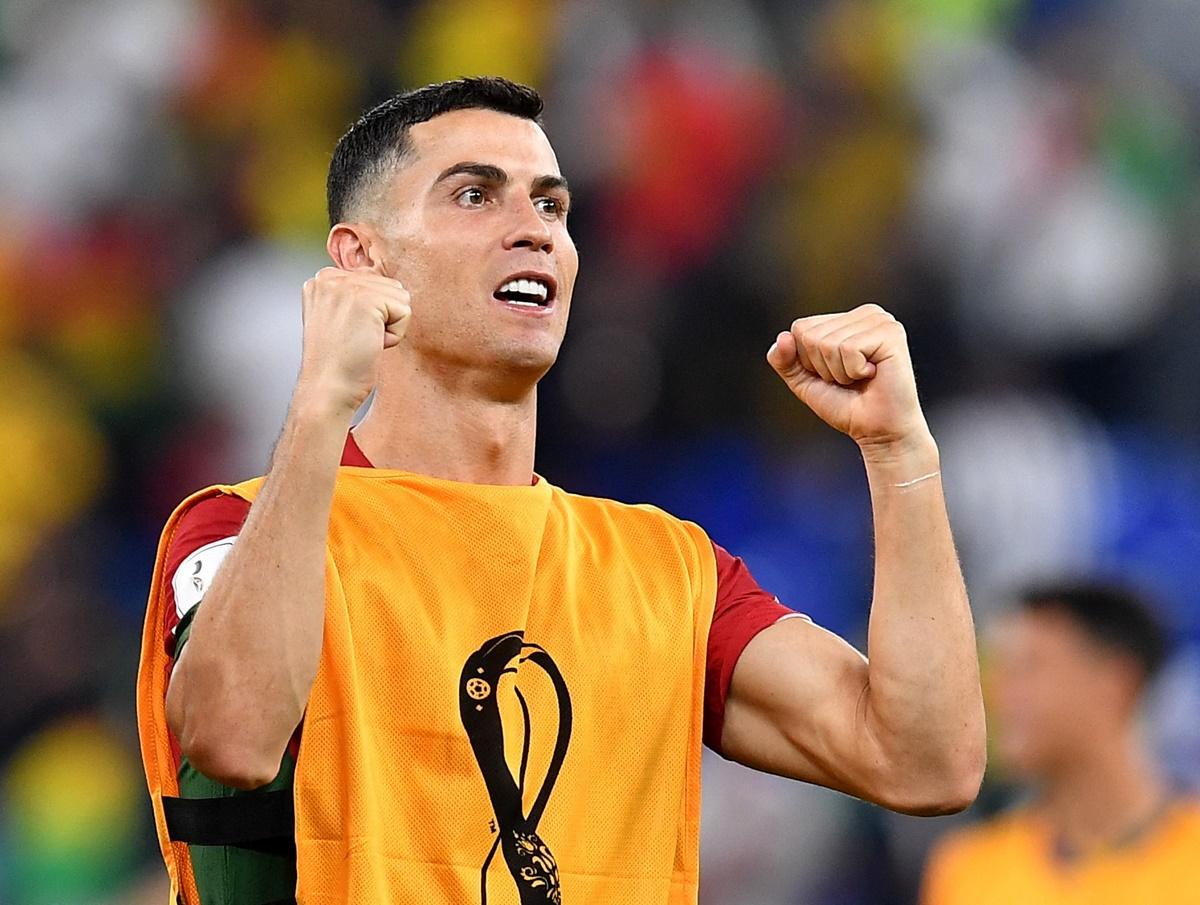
[[379, 139], [1112, 615]]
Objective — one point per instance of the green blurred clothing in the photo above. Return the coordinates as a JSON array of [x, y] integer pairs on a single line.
[[227, 874]]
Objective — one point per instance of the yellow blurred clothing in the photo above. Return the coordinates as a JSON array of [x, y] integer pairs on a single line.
[[508, 706], [1012, 861]]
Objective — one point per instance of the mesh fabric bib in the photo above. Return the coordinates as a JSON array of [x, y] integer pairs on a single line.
[[508, 704]]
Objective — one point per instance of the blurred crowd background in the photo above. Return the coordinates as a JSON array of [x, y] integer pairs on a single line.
[[1017, 180]]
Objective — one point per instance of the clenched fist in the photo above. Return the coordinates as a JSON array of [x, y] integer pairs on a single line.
[[350, 317], [853, 370]]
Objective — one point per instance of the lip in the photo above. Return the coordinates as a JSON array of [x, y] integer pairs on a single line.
[[541, 276]]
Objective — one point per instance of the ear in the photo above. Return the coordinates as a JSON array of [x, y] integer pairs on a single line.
[[354, 246]]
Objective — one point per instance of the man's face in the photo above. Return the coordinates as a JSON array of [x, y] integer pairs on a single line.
[[478, 204], [1057, 692]]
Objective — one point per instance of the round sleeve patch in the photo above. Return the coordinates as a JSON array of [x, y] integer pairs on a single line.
[[195, 574]]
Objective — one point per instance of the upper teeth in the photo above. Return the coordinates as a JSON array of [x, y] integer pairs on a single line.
[[527, 287]]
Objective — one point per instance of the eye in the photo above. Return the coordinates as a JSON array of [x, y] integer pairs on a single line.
[[473, 196], [550, 206]]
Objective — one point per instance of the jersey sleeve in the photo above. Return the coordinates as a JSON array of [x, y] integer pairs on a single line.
[[203, 537], [743, 609]]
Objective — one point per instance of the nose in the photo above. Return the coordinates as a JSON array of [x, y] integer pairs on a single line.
[[529, 229]]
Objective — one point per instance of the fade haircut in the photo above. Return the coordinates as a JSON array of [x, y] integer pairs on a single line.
[[378, 142], [1112, 616]]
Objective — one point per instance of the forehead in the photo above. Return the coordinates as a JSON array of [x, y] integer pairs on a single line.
[[1046, 633], [516, 145]]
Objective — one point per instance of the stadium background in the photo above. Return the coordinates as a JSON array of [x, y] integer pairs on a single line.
[[1018, 180]]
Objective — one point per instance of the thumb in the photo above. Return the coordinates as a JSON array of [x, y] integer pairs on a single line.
[[784, 357]]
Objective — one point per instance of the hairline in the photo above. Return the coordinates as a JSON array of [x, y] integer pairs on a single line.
[[376, 175], [1055, 602]]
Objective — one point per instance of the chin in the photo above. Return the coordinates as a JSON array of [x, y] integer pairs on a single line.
[[532, 359]]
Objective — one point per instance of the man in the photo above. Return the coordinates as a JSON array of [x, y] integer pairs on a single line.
[[1102, 826], [480, 687]]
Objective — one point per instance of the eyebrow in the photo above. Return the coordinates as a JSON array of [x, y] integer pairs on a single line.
[[493, 174], [550, 183], [484, 171]]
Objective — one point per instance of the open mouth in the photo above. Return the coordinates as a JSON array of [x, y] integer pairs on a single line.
[[527, 291]]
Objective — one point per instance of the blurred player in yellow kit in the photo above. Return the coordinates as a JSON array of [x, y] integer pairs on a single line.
[[1102, 826]]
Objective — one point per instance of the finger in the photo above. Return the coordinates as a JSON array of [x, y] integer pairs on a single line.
[[811, 322], [829, 334], [395, 324], [878, 343], [820, 325], [804, 359], [372, 278], [831, 353], [810, 354], [825, 325], [846, 359], [329, 273], [365, 278], [856, 365]]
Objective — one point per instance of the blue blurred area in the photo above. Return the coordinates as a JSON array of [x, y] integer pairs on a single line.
[[1017, 180]]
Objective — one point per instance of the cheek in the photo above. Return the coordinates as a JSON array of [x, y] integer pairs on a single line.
[[570, 262], [1026, 696], [1042, 712], [437, 279]]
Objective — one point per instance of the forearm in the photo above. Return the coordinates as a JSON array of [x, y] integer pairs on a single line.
[[242, 681], [923, 704]]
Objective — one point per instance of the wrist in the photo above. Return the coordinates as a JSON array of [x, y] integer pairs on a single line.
[[903, 459], [316, 401]]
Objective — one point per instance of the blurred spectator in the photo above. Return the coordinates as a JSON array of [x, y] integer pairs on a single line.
[[1101, 825]]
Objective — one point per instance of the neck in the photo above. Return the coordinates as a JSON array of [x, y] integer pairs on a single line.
[[448, 423], [1104, 797]]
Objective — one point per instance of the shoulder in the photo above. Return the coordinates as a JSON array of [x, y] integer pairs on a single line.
[[1183, 822], [983, 844], [987, 834], [196, 541], [1187, 810], [214, 512], [202, 521], [640, 533], [622, 514], [966, 864]]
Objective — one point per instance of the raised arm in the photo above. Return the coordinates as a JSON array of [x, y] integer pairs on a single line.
[[904, 728], [242, 681]]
